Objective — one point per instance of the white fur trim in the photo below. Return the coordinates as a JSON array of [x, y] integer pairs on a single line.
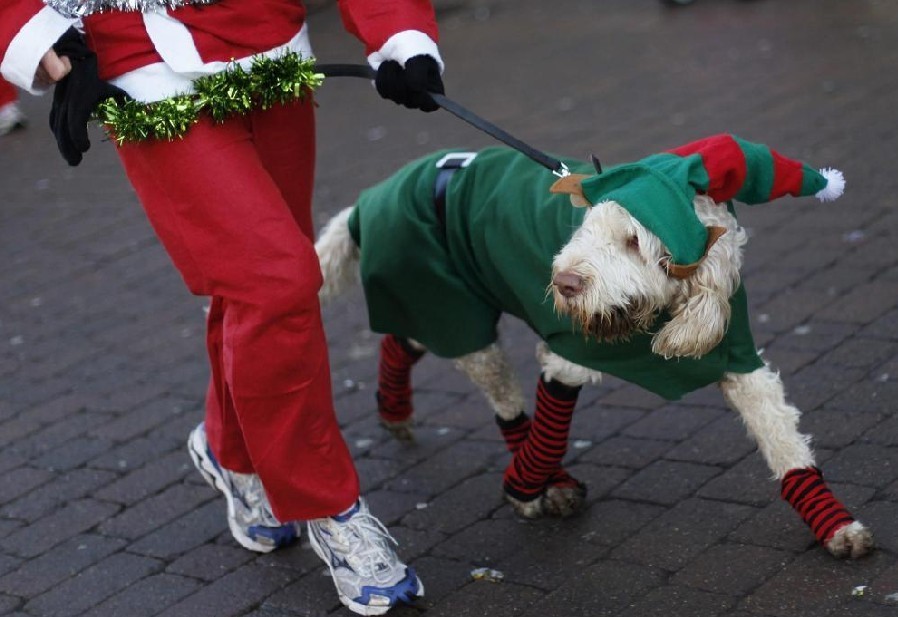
[[183, 64], [30, 44], [835, 185], [404, 45]]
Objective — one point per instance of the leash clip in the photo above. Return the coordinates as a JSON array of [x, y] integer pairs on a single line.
[[562, 170]]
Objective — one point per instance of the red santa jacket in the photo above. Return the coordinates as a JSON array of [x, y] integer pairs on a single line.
[[155, 55]]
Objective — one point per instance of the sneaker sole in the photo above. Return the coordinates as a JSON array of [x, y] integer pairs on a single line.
[[213, 477], [365, 609]]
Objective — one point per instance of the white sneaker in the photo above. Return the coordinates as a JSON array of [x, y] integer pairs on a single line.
[[11, 118], [250, 519], [369, 576]]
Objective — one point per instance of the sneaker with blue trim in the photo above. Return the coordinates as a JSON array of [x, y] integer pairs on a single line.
[[369, 576], [249, 514]]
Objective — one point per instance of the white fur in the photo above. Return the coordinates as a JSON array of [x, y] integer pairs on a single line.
[[490, 370], [618, 277], [338, 256], [557, 368], [759, 398]]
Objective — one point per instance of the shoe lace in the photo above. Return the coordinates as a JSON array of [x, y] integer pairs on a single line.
[[369, 543]]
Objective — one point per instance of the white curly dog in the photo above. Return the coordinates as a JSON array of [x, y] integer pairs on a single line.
[[640, 279]]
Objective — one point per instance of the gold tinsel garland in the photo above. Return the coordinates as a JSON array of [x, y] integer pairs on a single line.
[[232, 91]]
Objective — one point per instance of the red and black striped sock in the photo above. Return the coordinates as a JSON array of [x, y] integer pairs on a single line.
[[514, 431], [538, 460], [806, 491], [394, 378]]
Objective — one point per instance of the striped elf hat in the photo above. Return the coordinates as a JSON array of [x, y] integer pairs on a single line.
[[658, 190]]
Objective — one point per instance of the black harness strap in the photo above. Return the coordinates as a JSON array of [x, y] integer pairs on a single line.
[[447, 165]]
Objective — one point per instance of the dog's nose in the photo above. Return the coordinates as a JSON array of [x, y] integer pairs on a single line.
[[568, 284]]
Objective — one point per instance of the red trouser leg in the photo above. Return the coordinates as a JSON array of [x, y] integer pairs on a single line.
[[231, 205], [8, 93]]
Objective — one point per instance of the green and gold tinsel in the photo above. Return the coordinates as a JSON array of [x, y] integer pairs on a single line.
[[230, 92]]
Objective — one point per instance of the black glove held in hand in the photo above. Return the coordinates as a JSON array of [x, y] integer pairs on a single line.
[[76, 96], [409, 86]]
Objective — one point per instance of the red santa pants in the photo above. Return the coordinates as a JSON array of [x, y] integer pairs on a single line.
[[231, 203], [8, 93]]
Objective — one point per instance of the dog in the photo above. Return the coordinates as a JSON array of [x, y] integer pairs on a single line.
[[633, 271]]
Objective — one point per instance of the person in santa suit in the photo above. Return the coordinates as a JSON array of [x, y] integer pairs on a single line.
[[229, 195]]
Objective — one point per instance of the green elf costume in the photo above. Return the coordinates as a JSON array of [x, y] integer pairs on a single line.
[[444, 269], [445, 283]]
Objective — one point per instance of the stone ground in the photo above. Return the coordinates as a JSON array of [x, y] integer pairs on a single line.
[[103, 374]]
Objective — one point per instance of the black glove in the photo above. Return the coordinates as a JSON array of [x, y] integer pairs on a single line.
[[76, 96], [409, 86]]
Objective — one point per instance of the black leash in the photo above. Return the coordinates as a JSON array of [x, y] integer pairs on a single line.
[[366, 72]]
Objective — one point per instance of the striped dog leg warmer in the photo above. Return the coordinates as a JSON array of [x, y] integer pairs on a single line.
[[806, 491], [514, 431], [538, 460], [394, 379]]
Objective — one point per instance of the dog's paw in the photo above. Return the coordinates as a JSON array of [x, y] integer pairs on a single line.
[[853, 540], [400, 430], [564, 497], [526, 509]]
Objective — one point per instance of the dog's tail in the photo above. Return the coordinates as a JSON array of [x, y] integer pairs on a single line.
[[338, 255]]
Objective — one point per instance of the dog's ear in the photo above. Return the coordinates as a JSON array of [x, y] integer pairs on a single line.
[[700, 308], [571, 184]]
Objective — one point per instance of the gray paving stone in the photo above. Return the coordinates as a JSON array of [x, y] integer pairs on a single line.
[[602, 589], [460, 506], [722, 442], [831, 428], [481, 597], [22, 480], [135, 453], [209, 562], [73, 454], [446, 468], [864, 464], [233, 593], [674, 601], [722, 568], [146, 597], [8, 604], [93, 585], [749, 481], [54, 566], [185, 533], [149, 479], [682, 533], [550, 555], [61, 489], [624, 451], [674, 422], [825, 584], [666, 482], [76, 517], [154, 512]]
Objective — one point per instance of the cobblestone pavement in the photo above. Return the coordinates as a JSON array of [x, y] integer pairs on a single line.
[[102, 365]]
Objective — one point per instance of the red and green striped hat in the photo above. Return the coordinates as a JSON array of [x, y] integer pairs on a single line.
[[658, 190]]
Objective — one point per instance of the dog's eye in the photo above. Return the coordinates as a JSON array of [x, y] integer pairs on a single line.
[[633, 243]]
